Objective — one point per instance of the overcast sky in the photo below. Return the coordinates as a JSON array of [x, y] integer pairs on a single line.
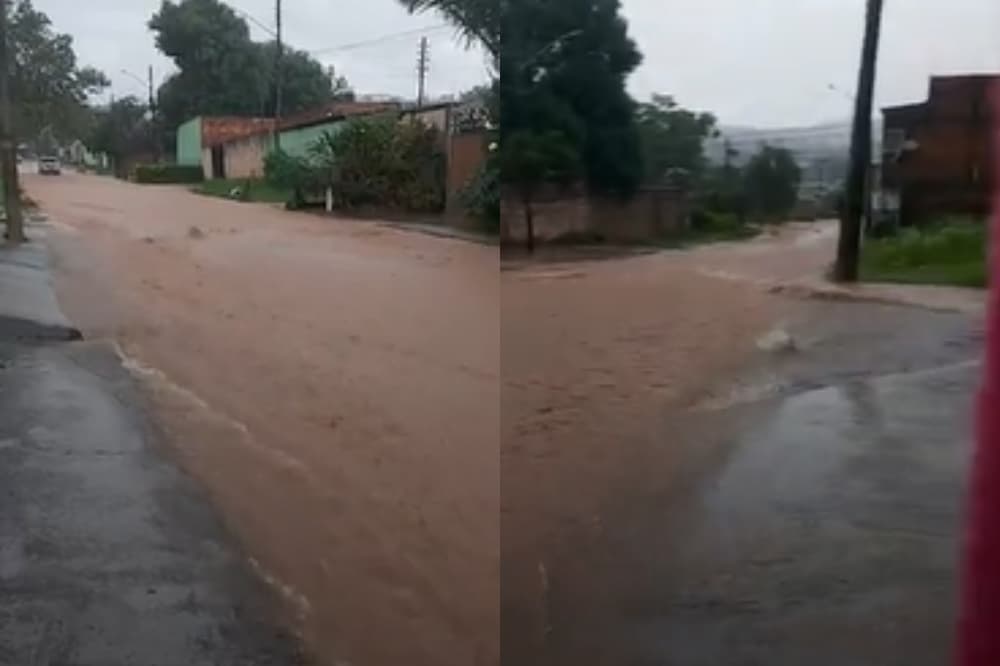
[[770, 62], [755, 62], [112, 35]]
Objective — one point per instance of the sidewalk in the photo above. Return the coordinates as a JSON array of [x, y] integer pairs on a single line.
[[108, 554]]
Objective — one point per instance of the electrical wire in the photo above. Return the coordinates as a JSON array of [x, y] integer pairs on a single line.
[[250, 17], [379, 40]]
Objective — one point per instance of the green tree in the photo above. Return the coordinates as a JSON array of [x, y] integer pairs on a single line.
[[673, 141], [121, 129], [221, 71], [48, 86], [771, 179], [529, 160], [563, 69]]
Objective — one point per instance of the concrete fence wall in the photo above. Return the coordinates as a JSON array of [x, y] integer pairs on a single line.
[[650, 214], [245, 157], [466, 154]]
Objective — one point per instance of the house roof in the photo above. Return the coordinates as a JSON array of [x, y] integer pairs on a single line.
[[216, 130], [334, 111]]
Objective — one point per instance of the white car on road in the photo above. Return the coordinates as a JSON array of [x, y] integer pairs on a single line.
[[49, 166]]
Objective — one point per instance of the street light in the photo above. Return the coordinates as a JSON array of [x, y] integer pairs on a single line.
[[840, 91], [150, 114], [134, 76]]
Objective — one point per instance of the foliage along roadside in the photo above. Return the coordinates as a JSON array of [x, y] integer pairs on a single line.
[[256, 190], [952, 252], [166, 173], [370, 161]]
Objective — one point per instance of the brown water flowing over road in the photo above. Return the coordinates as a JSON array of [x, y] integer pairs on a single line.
[[333, 384], [601, 362], [339, 389]]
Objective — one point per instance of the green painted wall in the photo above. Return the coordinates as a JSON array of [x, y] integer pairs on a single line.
[[297, 141], [189, 143]]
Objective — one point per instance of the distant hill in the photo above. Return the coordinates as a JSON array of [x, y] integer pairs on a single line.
[[821, 150]]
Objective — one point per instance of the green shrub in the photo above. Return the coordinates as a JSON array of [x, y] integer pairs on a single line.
[[710, 221], [167, 173], [378, 161], [294, 174], [481, 196]]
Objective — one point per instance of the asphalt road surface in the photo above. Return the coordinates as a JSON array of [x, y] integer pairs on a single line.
[[334, 387], [109, 555]]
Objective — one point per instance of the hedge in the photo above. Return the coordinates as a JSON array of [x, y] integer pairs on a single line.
[[167, 173]]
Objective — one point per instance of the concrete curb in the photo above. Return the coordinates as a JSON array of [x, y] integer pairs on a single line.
[[936, 299], [29, 310]]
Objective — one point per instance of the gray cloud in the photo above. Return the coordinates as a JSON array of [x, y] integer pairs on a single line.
[[112, 35], [770, 62]]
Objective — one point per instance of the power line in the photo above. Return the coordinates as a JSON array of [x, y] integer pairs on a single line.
[[253, 19], [380, 40]]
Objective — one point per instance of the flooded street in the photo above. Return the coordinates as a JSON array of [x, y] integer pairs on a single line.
[[332, 384], [683, 497], [829, 534], [670, 490]]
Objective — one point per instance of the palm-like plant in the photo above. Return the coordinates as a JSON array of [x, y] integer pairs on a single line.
[[477, 20]]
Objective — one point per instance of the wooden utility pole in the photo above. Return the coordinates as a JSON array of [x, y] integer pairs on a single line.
[[422, 67], [279, 74], [849, 245], [154, 133], [8, 147], [152, 97]]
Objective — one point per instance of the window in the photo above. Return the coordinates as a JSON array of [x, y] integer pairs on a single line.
[[894, 140]]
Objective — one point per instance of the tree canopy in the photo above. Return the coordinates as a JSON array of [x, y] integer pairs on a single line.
[[771, 179], [673, 141], [222, 71], [121, 129], [563, 70], [49, 88]]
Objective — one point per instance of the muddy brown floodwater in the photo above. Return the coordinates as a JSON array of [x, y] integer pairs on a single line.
[[333, 384], [602, 361]]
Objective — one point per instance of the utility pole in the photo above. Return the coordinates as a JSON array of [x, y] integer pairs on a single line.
[[152, 97], [155, 135], [8, 148], [849, 245], [423, 65], [278, 74]]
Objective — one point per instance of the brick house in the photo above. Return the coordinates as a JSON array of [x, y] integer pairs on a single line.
[[236, 147], [937, 154], [200, 141]]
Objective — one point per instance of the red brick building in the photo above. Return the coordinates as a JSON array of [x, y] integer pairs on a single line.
[[937, 157]]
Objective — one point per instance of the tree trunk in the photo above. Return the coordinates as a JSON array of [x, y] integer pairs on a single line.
[[12, 196], [529, 223], [8, 147], [849, 245]]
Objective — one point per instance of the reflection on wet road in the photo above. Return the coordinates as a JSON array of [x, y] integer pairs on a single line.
[[829, 536], [819, 526]]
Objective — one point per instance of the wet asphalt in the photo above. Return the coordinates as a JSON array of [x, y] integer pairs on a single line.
[[823, 528], [109, 555]]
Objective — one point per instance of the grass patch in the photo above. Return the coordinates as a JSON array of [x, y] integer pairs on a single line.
[[951, 254], [254, 190], [713, 227], [706, 236]]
